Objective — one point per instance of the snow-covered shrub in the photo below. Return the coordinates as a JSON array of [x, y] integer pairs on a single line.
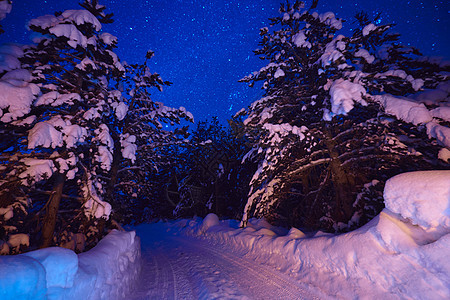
[[209, 221], [339, 114]]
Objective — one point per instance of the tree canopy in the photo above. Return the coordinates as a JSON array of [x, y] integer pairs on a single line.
[[72, 118], [340, 115]]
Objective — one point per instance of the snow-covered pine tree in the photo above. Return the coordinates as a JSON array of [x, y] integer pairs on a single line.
[[146, 132], [64, 124], [62, 121], [339, 116]]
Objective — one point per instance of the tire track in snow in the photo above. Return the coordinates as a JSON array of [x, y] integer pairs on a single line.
[[207, 279], [156, 284], [181, 267], [161, 277], [282, 286]]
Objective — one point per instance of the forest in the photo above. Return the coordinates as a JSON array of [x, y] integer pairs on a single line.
[[84, 148]]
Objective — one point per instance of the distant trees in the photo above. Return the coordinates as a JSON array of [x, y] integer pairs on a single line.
[[73, 120], [211, 178], [339, 116], [134, 183], [204, 174]]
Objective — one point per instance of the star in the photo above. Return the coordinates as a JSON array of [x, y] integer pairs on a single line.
[[205, 46]]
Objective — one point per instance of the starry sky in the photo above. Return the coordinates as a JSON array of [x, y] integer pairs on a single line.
[[205, 46]]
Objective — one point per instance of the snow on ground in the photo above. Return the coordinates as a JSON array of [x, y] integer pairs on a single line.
[[401, 254], [108, 271], [177, 266]]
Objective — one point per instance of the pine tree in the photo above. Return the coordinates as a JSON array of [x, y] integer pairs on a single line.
[[68, 126], [335, 122], [145, 142]]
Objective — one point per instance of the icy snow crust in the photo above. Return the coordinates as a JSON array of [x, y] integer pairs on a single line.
[[108, 271], [390, 256]]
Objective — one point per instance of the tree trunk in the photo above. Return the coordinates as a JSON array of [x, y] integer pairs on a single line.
[[217, 197], [48, 227], [342, 182]]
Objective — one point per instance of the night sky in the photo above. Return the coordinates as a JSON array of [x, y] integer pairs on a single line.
[[205, 46]]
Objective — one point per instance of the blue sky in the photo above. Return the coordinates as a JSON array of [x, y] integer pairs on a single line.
[[205, 46]]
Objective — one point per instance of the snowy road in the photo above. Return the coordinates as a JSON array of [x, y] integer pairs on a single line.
[[181, 267]]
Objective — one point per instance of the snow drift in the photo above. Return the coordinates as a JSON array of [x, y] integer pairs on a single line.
[[402, 253], [108, 271]]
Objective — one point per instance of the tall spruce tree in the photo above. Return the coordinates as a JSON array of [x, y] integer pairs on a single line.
[[145, 142], [67, 126], [340, 115]]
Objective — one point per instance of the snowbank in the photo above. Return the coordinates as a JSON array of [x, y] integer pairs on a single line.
[[108, 271], [401, 254], [421, 197]]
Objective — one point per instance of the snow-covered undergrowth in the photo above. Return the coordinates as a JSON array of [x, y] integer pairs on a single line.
[[108, 271], [402, 253]]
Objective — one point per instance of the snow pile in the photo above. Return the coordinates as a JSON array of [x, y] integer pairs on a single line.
[[129, 147], [365, 54], [121, 110], [60, 266], [54, 98], [110, 269], [399, 254], [107, 271], [279, 73], [368, 28], [428, 210], [404, 109], [22, 277], [45, 134], [37, 170], [209, 221], [332, 53], [64, 25], [108, 38], [300, 40], [329, 18], [105, 152]]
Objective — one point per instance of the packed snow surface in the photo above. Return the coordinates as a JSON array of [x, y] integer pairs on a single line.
[[177, 266]]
